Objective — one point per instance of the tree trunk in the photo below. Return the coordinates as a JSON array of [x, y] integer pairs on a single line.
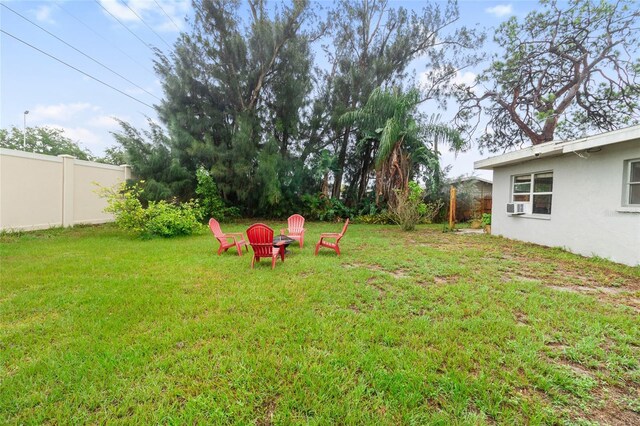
[[325, 184], [342, 156], [364, 172], [284, 144]]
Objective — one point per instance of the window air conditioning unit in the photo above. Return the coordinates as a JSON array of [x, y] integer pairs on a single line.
[[517, 208]]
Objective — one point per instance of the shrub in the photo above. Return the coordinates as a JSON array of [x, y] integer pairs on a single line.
[[211, 203], [409, 209], [124, 202], [383, 218], [486, 219], [169, 220], [320, 207], [160, 218]]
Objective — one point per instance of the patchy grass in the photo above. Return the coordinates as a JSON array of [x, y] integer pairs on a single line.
[[421, 327]]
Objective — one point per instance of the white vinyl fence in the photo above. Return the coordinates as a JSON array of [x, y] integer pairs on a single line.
[[42, 191]]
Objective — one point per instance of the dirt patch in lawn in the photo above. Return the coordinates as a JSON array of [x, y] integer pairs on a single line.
[[600, 278], [523, 276], [613, 295], [373, 282], [267, 409], [446, 279], [521, 318], [395, 273], [399, 273], [606, 285], [614, 410], [556, 346], [611, 404], [576, 368]]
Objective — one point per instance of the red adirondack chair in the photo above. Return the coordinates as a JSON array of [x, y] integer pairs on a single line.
[[332, 235], [237, 237], [261, 240], [296, 228]]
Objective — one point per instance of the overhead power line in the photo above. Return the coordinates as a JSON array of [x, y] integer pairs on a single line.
[[79, 51], [147, 25], [148, 46], [105, 39], [80, 71], [167, 15]]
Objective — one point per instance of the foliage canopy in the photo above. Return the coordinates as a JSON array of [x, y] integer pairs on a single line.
[[563, 71]]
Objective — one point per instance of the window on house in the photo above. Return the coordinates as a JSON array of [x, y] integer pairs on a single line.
[[632, 182], [535, 188]]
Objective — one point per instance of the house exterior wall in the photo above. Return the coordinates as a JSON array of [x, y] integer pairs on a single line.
[[41, 191], [587, 214]]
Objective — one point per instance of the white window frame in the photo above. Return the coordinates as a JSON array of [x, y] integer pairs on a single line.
[[531, 192], [628, 182]]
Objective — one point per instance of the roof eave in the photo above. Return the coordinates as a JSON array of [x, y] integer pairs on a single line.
[[552, 149], [549, 149]]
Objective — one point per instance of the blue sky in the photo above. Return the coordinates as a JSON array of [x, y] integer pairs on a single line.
[[58, 96]]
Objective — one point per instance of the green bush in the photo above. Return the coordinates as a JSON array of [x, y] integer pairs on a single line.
[[320, 207], [124, 202], [169, 220], [410, 209], [486, 219], [160, 218], [211, 203], [383, 218]]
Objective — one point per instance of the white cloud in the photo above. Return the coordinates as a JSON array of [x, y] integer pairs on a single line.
[[176, 9], [153, 15], [92, 132], [500, 10], [120, 10], [167, 26], [43, 14], [462, 163], [466, 78], [103, 122], [60, 112], [86, 138]]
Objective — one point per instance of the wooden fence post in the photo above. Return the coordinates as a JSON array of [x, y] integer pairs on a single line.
[[452, 208]]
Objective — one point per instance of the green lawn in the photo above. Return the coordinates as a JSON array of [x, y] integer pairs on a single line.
[[404, 328]]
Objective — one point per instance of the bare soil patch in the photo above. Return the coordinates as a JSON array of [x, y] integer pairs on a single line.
[[557, 346], [614, 410], [267, 409], [446, 279], [373, 282], [521, 318]]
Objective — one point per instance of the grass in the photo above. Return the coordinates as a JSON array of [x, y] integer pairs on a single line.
[[417, 328]]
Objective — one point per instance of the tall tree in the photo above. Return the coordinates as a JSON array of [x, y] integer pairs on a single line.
[[390, 122], [373, 46], [150, 155], [564, 70], [231, 85]]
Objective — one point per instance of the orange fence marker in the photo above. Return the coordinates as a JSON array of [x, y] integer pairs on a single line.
[[452, 208]]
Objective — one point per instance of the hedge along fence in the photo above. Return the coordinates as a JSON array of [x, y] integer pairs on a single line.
[[42, 191]]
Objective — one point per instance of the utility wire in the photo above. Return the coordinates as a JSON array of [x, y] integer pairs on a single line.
[[168, 16], [148, 46], [79, 51], [147, 25], [104, 38], [80, 71]]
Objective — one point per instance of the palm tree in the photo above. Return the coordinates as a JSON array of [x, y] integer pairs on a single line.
[[391, 120]]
